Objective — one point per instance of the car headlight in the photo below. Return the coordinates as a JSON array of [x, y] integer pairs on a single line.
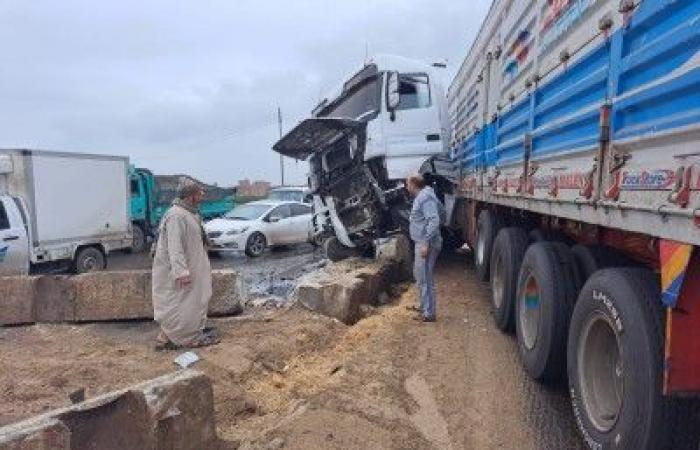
[[237, 231]]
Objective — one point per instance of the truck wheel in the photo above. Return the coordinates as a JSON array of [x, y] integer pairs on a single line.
[[451, 240], [590, 258], [335, 251], [508, 251], [487, 227], [255, 245], [545, 299], [615, 365], [89, 259], [138, 244]]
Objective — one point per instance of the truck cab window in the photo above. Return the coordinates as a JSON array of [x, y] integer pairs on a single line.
[[134, 188], [4, 221], [414, 91]]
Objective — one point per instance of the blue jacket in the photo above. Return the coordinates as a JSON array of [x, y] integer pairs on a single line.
[[425, 217]]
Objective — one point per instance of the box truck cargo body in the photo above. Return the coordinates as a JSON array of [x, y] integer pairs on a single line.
[[576, 129], [74, 207]]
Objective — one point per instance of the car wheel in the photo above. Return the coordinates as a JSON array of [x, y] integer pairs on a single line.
[[256, 244], [89, 259]]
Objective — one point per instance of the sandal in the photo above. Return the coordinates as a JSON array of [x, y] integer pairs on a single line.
[[166, 345], [205, 340]]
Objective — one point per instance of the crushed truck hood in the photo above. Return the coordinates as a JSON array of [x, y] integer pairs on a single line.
[[312, 135]]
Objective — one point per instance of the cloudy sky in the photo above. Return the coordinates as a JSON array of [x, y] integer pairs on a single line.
[[193, 86]]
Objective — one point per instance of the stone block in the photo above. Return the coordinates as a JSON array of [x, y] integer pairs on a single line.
[[175, 411], [17, 296], [340, 299], [46, 433], [112, 296], [397, 252], [55, 299], [228, 293]]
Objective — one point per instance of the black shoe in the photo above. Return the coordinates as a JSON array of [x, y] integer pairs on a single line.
[[421, 318]]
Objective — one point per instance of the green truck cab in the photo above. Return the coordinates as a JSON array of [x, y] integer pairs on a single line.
[[151, 196]]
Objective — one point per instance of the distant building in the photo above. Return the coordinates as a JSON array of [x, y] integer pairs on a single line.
[[258, 188]]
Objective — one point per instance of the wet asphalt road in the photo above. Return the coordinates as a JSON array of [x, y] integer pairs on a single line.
[[272, 273]]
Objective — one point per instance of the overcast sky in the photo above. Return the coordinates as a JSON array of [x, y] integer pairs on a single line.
[[193, 86]]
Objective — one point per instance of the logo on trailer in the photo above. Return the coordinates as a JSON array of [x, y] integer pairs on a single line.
[[3, 253], [648, 180], [559, 16]]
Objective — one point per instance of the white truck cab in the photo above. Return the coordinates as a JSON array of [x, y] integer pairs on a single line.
[[14, 240], [363, 140]]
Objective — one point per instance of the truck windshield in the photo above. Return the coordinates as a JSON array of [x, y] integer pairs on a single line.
[[247, 212], [361, 99]]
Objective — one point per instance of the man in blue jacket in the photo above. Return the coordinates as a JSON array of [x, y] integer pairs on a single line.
[[424, 228]]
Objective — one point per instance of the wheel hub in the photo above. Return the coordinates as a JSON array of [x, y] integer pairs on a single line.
[[601, 372], [529, 316], [497, 281]]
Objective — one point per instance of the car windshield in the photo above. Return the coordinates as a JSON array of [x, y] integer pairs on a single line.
[[247, 212], [287, 196]]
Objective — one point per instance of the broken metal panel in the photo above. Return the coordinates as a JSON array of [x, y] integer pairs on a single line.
[[313, 135]]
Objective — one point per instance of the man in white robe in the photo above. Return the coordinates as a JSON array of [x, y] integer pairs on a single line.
[[182, 274]]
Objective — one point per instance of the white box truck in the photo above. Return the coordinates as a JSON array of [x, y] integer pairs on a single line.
[[61, 209]]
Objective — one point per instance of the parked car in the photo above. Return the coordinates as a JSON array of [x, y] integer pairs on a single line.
[[290, 194], [254, 226]]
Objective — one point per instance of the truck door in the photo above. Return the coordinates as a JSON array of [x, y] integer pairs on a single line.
[[14, 245], [412, 127]]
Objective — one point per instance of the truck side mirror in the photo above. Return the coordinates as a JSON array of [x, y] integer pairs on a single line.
[[392, 91]]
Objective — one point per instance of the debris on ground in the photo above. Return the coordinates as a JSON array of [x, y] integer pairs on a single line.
[[186, 359]]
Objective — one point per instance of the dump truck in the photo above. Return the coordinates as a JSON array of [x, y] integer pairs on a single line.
[[152, 195], [61, 210], [576, 127], [363, 139]]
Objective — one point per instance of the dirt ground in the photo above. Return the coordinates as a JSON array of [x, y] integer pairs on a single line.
[[291, 379]]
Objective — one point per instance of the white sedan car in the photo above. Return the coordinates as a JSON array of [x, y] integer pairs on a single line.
[[254, 226]]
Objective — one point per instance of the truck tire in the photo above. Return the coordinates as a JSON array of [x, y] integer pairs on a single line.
[[615, 366], [451, 240], [545, 298], [590, 258], [138, 244], [89, 259], [487, 228], [335, 251], [507, 255], [255, 245]]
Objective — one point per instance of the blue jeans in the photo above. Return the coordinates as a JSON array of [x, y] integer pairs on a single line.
[[423, 272]]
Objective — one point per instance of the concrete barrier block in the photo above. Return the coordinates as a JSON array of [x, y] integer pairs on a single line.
[[173, 411], [228, 293], [43, 434], [112, 296], [17, 296], [340, 299], [55, 299]]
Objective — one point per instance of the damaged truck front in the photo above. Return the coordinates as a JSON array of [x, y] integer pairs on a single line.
[[384, 122]]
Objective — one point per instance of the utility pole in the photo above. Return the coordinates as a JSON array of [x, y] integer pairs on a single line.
[[279, 122]]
